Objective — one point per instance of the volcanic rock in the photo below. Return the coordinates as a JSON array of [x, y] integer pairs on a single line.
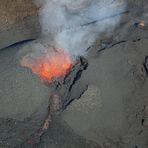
[[101, 103], [18, 21], [22, 93], [121, 79], [65, 88]]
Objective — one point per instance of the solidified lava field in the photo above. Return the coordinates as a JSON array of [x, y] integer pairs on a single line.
[[101, 102]]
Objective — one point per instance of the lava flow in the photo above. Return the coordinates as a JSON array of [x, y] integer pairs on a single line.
[[48, 65]]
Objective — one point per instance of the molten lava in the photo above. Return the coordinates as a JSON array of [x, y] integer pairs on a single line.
[[57, 66], [49, 66]]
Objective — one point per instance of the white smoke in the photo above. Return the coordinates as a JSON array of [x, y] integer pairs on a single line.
[[74, 25]]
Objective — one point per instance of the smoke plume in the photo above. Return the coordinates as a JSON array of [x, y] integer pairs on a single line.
[[69, 28], [74, 25]]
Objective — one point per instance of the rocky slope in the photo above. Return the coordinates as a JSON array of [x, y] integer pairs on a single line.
[[108, 105]]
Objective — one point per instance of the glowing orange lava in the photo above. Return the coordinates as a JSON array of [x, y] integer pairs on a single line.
[[49, 67], [58, 66]]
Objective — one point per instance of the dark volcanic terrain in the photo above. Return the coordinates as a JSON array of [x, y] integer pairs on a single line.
[[104, 98]]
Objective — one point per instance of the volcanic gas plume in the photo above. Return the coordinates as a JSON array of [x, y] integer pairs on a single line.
[[48, 63], [72, 26]]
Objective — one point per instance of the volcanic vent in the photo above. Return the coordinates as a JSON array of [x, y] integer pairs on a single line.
[[58, 70], [48, 63], [95, 50], [54, 67]]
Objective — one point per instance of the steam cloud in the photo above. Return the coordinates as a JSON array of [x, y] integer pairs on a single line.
[[74, 25]]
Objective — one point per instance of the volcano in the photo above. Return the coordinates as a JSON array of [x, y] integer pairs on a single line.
[[74, 74]]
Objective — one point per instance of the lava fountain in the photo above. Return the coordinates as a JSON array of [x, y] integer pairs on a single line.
[[48, 63]]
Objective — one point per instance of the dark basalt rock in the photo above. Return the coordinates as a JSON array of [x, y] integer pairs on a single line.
[[32, 127], [18, 22], [145, 64], [64, 87]]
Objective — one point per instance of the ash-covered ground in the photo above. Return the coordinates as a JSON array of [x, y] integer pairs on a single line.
[[105, 98]]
